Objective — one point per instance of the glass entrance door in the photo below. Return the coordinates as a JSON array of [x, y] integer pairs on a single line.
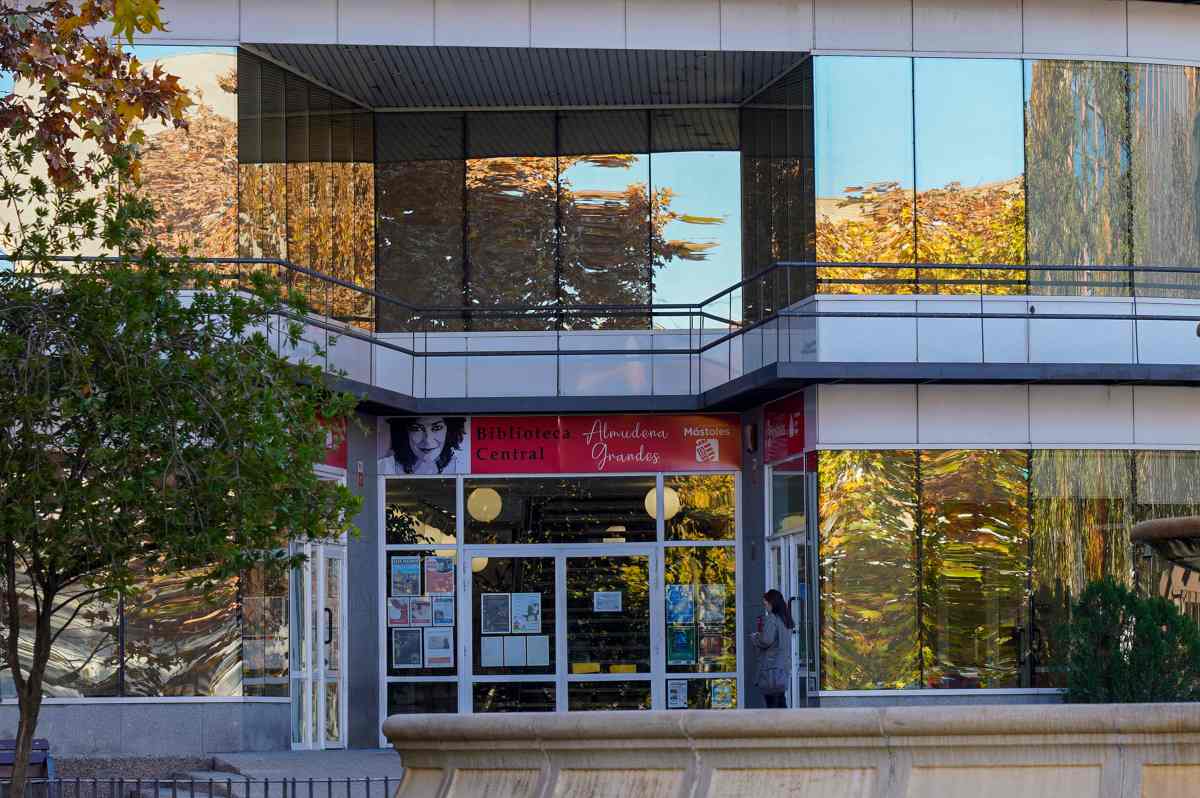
[[318, 621], [609, 650], [790, 570], [566, 629]]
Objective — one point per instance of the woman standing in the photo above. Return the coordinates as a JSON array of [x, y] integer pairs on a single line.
[[773, 640]]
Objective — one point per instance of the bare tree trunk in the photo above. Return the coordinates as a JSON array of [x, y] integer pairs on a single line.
[[29, 698]]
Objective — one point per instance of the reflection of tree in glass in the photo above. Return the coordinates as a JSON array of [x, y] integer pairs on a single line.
[[1082, 517], [609, 638], [84, 659], [868, 579], [950, 225], [975, 565], [179, 643], [1077, 149], [706, 508], [518, 256], [192, 173], [703, 567], [1166, 175]]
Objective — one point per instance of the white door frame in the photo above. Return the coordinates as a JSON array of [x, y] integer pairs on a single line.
[[312, 618], [562, 677]]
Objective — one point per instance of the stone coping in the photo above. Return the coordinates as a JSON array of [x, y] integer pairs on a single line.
[[684, 728], [1181, 528]]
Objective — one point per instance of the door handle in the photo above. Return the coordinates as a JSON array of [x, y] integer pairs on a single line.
[[328, 626]]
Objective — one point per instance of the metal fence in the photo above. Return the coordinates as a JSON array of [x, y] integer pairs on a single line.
[[232, 786]]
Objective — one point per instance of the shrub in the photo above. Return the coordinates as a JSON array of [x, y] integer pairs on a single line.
[[1125, 648]]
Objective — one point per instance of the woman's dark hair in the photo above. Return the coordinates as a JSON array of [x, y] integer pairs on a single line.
[[406, 458], [779, 607]]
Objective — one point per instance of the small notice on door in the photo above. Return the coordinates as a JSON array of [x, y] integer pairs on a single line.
[[606, 601]]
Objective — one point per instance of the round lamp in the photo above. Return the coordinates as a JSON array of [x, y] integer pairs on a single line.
[[670, 503], [484, 504], [478, 564]]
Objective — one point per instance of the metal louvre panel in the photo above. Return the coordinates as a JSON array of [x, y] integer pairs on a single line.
[[603, 132], [418, 137], [701, 129], [492, 135], [498, 77]]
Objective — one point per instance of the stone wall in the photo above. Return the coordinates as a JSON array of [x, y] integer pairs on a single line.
[[1125, 751]]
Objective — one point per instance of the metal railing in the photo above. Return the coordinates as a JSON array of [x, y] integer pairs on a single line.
[[230, 785], [372, 337]]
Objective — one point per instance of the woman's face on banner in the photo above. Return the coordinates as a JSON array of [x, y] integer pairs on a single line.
[[426, 437]]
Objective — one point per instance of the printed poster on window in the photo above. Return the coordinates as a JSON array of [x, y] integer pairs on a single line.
[[681, 604], [712, 647], [443, 610], [681, 645], [420, 611], [439, 576], [398, 611], [406, 648], [722, 694], [606, 601], [491, 652], [526, 613], [439, 647], [405, 576], [712, 604], [677, 693], [494, 614]]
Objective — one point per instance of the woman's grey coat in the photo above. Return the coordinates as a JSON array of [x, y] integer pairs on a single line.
[[774, 655]]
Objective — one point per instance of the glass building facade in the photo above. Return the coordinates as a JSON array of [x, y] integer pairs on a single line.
[[955, 569], [945, 569], [578, 593]]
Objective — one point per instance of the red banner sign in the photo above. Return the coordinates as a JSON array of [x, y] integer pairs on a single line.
[[336, 450], [604, 444], [783, 428]]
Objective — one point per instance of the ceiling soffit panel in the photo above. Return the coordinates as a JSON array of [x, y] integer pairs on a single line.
[[452, 78]]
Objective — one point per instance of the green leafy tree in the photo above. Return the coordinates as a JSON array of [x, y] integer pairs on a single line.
[[148, 427], [1125, 648]]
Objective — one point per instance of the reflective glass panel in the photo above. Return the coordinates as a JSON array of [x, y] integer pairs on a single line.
[[513, 611], [699, 507], [83, 661], [975, 566], [582, 696], [560, 510], [604, 214], [196, 167], [868, 570], [695, 173], [419, 512], [514, 697], [265, 633], [788, 502], [1166, 177], [970, 164], [1082, 517], [512, 195], [864, 172], [608, 614], [420, 613], [1168, 486], [701, 609], [420, 188], [777, 191], [421, 698], [333, 712], [1077, 158], [178, 642]]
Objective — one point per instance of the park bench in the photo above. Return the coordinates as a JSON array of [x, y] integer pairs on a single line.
[[41, 765]]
